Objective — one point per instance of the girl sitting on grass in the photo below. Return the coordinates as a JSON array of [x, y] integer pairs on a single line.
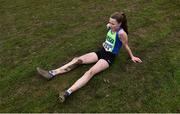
[[116, 36]]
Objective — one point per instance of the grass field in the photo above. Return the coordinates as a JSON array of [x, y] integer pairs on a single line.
[[49, 33]]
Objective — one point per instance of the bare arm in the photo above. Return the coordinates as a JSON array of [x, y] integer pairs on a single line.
[[124, 39]]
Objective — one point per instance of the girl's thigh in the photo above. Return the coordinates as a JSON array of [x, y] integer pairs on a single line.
[[99, 66], [89, 58]]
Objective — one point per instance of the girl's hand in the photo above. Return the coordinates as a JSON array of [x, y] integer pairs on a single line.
[[136, 59], [108, 26]]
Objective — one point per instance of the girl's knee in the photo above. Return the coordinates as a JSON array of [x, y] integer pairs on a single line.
[[90, 72], [78, 60]]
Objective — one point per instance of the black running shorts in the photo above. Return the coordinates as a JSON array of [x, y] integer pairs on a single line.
[[108, 56]]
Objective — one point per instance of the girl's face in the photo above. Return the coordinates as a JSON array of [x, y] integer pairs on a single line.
[[113, 24]]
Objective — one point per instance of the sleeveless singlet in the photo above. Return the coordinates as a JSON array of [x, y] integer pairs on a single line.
[[113, 43]]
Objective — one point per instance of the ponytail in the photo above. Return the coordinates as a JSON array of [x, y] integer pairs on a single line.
[[124, 23]]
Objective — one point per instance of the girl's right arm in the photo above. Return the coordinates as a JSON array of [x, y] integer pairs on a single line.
[[124, 40]]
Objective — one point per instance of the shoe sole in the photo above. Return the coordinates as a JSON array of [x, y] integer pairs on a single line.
[[61, 97], [44, 73]]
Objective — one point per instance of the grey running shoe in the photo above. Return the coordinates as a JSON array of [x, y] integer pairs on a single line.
[[44, 73], [63, 96]]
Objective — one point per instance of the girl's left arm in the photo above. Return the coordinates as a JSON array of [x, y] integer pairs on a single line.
[[124, 39]]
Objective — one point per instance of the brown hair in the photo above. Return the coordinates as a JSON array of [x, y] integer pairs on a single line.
[[121, 18]]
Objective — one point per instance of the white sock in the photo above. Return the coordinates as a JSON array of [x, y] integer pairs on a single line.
[[69, 91], [52, 72]]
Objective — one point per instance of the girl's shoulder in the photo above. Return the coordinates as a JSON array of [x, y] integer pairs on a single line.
[[121, 32]]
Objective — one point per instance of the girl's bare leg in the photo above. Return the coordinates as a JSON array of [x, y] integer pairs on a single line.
[[98, 67], [84, 59]]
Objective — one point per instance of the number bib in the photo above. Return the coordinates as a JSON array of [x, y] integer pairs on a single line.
[[108, 46]]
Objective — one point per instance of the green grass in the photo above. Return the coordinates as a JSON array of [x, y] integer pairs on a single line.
[[50, 33]]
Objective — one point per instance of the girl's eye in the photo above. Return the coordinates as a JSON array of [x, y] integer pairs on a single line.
[[111, 23]]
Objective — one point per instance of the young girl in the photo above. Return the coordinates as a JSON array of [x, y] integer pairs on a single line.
[[116, 36]]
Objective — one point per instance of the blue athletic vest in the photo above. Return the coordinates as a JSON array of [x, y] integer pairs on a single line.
[[112, 43]]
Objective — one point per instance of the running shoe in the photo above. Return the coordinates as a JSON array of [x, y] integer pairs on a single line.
[[63, 96], [44, 73]]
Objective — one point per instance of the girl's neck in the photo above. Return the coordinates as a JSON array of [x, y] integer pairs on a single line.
[[114, 31]]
